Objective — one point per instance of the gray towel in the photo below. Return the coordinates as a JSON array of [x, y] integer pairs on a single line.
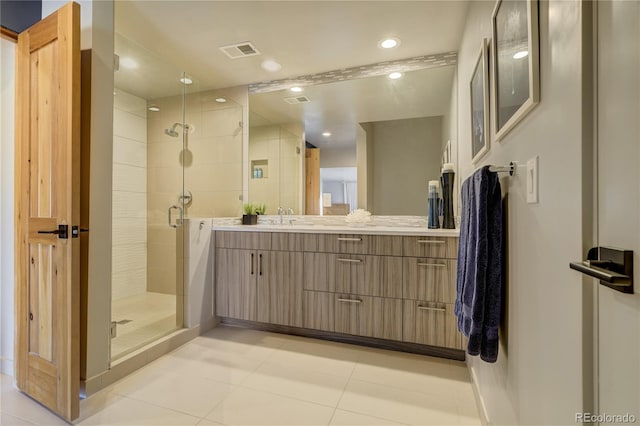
[[480, 264]]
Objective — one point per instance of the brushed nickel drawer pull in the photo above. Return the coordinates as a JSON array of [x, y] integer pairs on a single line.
[[349, 260], [349, 239], [349, 300], [437, 265], [431, 241], [431, 308]]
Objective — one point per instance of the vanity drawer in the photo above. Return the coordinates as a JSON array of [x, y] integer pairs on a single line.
[[378, 317], [386, 245], [243, 240], [430, 323], [429, 279], [356, 274], [286, 241], [442, 247]]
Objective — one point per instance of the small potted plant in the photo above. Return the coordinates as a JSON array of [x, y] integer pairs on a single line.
[[251, 212]]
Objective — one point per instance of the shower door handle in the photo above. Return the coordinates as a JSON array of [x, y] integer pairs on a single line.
[[179, 222]]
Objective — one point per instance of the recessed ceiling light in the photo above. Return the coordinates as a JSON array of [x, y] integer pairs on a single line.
[[395, 75], [389, 43], [128, 63], [221, 100], [186, 80], [521, 54], [296, 89], [154, 108], [326, 134], [271, 65]]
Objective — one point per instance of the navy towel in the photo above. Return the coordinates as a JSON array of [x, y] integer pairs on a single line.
[[480, 264]]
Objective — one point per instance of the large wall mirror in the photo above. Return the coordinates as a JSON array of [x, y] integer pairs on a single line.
[[379, 141]]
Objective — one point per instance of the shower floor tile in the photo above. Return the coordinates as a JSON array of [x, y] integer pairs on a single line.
[[142, 318]]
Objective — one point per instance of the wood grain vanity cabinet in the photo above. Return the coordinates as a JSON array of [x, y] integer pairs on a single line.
[[398, 288], [258, 285]]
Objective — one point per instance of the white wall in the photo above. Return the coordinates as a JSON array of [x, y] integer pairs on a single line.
[[7, 80], [129, 250], [538, 376]]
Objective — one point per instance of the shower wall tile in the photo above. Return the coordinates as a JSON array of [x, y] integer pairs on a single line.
[[129, 248], [128, 205], [129, 126], [130, 152], [129, 257], [229, 148], [165, 154], [130, 178], [222, 122], [132, 104], [130, 231], [216, 204]]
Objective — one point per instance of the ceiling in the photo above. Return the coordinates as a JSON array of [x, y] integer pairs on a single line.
[[305, 37], [339, 107]]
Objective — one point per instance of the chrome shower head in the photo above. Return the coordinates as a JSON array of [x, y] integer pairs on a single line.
[[172, 131]]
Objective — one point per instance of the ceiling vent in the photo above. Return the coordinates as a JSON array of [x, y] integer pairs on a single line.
[[297, 100], [240, 50]]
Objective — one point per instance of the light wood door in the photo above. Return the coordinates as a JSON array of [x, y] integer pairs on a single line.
[[280, 288], [47, 197], [312, 181], [236, 272]]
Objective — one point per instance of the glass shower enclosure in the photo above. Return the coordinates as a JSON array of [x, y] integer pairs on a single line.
[[150, 136]]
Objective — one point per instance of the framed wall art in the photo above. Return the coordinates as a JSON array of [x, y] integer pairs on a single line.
[[515, 59], [479, 94]]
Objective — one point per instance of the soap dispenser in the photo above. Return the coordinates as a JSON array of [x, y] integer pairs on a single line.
[[447, 180], [433, 205]]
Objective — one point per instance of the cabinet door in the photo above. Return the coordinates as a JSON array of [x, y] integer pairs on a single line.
[[319, 310], [379, 276], [379, 317], [430, 323], [279, 287], [236, 272], [430, 279]]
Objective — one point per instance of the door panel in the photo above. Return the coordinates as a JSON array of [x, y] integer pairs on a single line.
[[618, 82], [47, 195]]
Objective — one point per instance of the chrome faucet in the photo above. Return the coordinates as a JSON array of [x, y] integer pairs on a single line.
[[280, 213]]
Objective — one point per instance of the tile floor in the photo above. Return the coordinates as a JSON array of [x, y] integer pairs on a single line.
[[243, 377], [152, 315]]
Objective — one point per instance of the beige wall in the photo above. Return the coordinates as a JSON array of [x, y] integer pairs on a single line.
[[538, 378], [129, 250], [406, 155], [338, 157]]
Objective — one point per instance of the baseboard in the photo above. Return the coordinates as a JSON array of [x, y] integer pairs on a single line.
[[138, 359], [7, 367], [484, 417], [393, 345]]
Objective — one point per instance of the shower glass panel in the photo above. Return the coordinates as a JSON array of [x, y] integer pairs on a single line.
[[212, 156], [150, 135]]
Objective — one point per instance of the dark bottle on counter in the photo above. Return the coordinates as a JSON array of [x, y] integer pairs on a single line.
[[447, 183], [433, 205]]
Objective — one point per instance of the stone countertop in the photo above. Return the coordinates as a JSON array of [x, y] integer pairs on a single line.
[[340, 229]]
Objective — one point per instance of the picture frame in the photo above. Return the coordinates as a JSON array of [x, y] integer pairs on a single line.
[[515, 71], [479, 105]]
